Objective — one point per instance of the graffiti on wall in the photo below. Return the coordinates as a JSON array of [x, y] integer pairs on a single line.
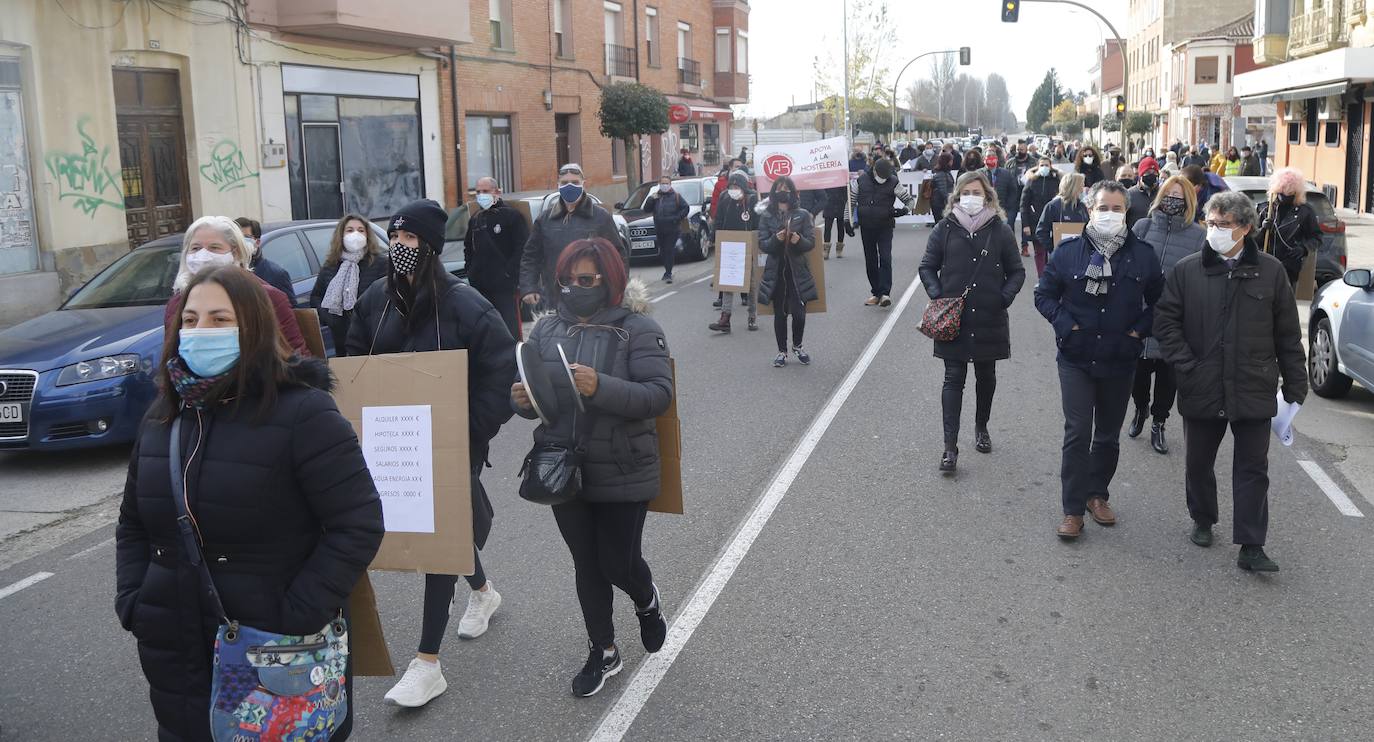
[[227, 168], [84, 178]]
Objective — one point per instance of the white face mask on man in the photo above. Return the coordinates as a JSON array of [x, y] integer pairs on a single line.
[[1221, 240], [1109, 222]]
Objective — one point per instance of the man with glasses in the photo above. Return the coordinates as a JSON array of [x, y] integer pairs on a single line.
[[491, 251], [1229, 325], [573, 217]]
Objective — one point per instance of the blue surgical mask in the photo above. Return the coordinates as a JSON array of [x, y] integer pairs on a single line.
[[485, 200], [209, 351], [571, 193]]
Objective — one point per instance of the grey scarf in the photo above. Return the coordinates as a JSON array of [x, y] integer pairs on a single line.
[[1099, 272]]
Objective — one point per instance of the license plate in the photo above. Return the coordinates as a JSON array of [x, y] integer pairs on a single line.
[[644, 245], [11, 412]]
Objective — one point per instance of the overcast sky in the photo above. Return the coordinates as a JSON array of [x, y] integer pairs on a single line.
[[785, 34]]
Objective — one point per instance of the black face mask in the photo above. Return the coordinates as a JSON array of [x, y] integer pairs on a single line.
[[785, 197], [584, 302], [1150, 180], [1126, 182]]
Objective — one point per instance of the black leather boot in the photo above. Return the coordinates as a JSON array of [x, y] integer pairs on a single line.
[[1138, 422], [1157, 438]]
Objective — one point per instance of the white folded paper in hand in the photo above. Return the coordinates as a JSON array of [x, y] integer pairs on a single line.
[[1283, 422]]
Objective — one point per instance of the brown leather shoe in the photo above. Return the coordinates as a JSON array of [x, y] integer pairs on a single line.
[[1101, 512], [1071, 528]]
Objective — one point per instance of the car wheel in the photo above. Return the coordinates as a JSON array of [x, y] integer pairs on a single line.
[[1327, 381], [692, 248]]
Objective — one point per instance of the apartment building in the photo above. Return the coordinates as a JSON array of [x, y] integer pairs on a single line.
[[1203, 103], [1106, 84], [527, 90], [1321, 54], [1153, 27]]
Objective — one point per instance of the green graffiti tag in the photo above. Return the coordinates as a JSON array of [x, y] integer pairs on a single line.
[[227, 168], [85, 178]]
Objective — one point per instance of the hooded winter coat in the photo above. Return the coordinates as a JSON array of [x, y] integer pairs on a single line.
[[289, 519], [370, 270], [634, 386], [951, 259], [555, 229], [1230, 334], [1294, 234], [786, 257], [1172, 240], [738, 215]]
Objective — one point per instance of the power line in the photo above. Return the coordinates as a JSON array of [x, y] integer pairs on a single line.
[[75, 22]]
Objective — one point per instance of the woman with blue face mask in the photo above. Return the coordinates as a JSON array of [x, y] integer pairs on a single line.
[[279, 498]]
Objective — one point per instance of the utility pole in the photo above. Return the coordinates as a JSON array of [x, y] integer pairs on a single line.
[[848, 129]]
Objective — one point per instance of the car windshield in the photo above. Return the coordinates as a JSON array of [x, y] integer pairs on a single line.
[[689, 190], [142, 278], [636, 199]]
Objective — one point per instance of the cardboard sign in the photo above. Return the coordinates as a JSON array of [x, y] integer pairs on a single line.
[[815, 258], [367, 649], [810, 165], [1066, 229], [429, 513], [309, 321], [735, 253], [1307, 278], [669, 498]]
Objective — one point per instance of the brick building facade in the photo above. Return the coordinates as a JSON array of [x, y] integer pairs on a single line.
[[528, 87]]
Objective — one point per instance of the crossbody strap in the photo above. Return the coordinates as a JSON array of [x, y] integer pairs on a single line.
[[190, 542], [982, 256]]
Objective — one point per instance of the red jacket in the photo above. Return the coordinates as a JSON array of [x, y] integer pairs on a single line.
[[286, 317], [721, 181]]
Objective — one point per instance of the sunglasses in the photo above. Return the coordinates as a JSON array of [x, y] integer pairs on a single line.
[[583, 280]]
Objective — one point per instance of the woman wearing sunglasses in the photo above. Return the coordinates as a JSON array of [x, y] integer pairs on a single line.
[[619, 362], [786, 235]]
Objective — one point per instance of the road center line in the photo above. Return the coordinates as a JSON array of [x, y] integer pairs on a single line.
[[661, 297], [621, 716], [1329, 487], [32, 579], [91, 549]]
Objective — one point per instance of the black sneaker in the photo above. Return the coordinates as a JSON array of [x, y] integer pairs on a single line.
[[594, 673], [653, 629], [1253, 559]]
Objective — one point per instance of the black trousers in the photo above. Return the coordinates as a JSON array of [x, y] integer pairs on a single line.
[[878, 258], [1164, 383], [786, 301], [952, 396], [1249, 475], [1094, 409], [838, 221], [508, 304], [604, 539], [666, 242], [439, 591]]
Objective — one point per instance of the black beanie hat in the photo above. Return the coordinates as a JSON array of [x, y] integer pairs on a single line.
[[425, 218]]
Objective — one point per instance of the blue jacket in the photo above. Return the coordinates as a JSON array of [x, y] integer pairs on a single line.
[[276, 276], [1100, 345], [1055, 211], [669, 209]]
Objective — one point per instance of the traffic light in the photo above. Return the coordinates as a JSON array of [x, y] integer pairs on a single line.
[[1011, 10], [1120, 104], [965, 56]]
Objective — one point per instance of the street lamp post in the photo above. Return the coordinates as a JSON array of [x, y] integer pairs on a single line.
[[963, 59], [848, 129], [1125, 64]]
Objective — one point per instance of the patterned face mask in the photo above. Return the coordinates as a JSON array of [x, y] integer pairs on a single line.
[[1172, 205], [405, 258]]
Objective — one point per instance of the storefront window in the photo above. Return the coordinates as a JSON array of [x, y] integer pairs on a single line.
[[380, 140], [687, 134]]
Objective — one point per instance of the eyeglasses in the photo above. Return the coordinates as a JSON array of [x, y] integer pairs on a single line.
[[1220, 225], [583, 280]]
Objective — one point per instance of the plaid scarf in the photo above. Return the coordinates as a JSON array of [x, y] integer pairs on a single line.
[[191, 388], [1099, 272]]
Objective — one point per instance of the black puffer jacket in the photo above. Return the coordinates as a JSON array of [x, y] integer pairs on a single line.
[[555, 229], [1292, 236], [1229, 334], [790, 257], [371, 270], [836, 199], [621, 461], [290, 520], [1038, 194], [732, 215], [952, 255], [466, 321]]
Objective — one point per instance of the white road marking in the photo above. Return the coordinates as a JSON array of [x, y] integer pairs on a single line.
[[1332, 491], [91, 549], [621, 716], [706, 277], [661, 297], [32, 579]]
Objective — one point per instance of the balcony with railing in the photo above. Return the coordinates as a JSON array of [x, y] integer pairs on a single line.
[[688, 72], [622, 61], [1318, 30], [409, 24]]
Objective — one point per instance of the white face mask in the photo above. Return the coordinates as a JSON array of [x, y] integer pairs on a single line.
[[880, 180], [202, 259], [736, 194], [1110, 222], [1044, 171], [971, 204], [1088, 160], [664, 188], [354, 241], [1221, 240]]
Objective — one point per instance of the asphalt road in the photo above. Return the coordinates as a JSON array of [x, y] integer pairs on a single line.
[[843, 589]]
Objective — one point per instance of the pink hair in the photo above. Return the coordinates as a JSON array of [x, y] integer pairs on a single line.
[[1288, 181]]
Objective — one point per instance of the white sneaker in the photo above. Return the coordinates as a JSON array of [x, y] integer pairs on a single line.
[[886, 301], [481, 605], [422, 682]]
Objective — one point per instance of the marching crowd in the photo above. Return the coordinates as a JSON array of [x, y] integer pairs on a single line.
[[249, 513]]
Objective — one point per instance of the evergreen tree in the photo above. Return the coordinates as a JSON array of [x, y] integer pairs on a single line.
[[1046, 97]]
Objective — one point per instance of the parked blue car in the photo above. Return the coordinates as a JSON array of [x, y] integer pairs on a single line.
[[83, 375]]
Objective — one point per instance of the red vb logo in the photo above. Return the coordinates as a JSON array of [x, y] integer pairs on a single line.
[[777, 166]]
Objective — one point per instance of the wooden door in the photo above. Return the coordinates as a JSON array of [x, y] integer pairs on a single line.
[[152, 154]]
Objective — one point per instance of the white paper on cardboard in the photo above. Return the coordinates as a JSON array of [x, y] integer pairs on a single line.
[[398, 445], [1282, 423], [734, 258]]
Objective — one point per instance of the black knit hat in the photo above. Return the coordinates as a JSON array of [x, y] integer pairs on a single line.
[[425, 218]]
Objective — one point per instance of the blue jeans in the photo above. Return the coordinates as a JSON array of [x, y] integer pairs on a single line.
[[1094, 409]]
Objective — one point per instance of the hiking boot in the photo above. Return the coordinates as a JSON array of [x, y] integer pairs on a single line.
[[825, 250], [722, 325], [839, 250]]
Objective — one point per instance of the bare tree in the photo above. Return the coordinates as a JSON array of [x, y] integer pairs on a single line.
[[943, 68], [872, 36]]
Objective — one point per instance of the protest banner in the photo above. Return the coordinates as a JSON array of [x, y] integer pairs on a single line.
[[920, 213], [410, 411], [735, 258], [669, 427], [811, 165], [815, 259]]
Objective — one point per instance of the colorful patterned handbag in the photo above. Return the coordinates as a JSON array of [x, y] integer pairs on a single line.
[[940, 320], [266, 687]]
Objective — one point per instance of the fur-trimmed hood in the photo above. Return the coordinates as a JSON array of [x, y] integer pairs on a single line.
[[311, 372]]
